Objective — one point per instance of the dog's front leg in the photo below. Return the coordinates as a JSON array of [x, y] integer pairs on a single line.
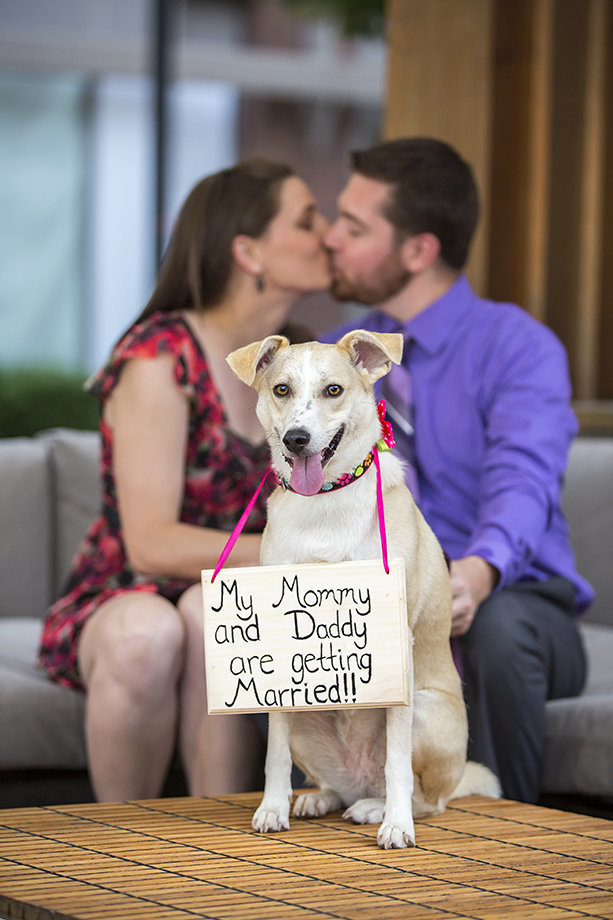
[[273, 813], [398, 829]]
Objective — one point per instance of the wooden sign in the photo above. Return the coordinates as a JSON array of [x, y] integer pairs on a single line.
[[324, 636]]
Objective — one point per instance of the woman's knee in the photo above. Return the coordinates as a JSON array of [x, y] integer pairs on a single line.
[[136, 640], [190, 608]]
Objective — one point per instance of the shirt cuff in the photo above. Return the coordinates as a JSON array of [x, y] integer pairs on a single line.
[[511, 560]]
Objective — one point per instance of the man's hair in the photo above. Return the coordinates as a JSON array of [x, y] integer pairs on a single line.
[[433, 191]]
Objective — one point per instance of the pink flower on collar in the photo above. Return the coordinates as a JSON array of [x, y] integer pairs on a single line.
[[386, 427]]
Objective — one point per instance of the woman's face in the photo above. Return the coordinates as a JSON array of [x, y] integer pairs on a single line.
[[291, 250]]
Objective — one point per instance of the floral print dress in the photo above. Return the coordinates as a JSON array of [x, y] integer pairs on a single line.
[[222, 472]]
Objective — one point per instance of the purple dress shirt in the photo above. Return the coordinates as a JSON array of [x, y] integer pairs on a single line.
[[493, 425]]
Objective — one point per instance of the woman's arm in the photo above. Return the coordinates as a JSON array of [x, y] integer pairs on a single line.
[[148, 414]]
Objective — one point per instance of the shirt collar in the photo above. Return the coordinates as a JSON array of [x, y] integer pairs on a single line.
[[435, 326]]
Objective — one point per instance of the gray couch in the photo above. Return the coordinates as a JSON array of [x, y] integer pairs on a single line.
[[48, 495]]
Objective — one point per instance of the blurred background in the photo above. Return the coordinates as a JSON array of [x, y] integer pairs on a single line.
[[110, 110]]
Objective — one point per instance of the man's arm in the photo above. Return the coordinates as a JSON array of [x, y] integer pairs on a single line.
[[529, 425]]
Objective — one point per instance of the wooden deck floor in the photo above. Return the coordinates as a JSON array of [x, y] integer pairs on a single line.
[[169, 859]]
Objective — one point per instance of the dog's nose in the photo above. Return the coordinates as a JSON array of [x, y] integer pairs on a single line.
[[296, 440]]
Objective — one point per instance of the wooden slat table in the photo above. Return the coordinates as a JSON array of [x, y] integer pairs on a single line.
[[169, 859]]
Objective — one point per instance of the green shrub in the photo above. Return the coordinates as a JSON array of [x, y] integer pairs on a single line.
[[32, 399]]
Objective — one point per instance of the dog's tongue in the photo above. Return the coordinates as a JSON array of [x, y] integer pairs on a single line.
[[307, 475]]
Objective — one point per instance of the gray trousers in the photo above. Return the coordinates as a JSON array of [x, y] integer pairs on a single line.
[[522, 649]]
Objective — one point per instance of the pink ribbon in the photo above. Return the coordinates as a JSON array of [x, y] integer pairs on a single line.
[[237, 530], [381, 512]]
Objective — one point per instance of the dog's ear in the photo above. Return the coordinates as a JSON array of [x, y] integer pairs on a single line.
[[374, 352], [249, 362]]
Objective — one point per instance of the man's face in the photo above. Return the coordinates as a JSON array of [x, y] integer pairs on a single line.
[[366, 259]]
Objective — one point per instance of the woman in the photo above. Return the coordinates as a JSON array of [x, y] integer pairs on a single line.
[[182, 453]]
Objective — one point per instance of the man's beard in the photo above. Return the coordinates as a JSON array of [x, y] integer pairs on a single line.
[[391, 278]]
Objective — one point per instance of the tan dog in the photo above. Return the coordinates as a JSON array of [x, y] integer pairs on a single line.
[[317, 407]]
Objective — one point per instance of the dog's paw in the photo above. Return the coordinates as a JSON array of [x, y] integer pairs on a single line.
[[394, 837], [366, 811], [268, 819], [315, 804]]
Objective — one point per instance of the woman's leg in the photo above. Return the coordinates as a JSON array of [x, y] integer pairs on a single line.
[[131, 656], [221, 753]]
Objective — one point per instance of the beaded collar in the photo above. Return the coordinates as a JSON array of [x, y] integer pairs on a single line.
[[344, 480]]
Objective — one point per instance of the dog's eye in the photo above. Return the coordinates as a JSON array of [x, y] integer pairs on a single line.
[[281, 390], [333, 390]]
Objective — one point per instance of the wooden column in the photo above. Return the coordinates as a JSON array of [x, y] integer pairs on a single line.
[[576, 162], [439, 85], [605, 335], [523, 89], [520, 148]]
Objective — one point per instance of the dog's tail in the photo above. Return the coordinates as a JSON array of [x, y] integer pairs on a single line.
[[477, 780]]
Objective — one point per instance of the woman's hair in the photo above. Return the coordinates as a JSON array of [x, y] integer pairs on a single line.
[[198, 261]]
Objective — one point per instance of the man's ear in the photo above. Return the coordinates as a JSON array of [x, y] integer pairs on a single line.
[[420, 252], [373, 353], [245, 253], [249, 362]]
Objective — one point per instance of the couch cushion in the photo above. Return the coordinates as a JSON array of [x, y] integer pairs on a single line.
[[588, 503], [41, 723], [25, 535], [579, 732], [74, 457]]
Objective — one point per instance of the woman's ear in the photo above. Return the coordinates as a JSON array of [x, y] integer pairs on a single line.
[[420, 251], [246, 253]]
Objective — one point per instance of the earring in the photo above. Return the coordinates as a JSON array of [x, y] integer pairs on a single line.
[[260, 284]]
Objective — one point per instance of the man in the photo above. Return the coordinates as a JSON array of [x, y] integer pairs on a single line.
[[492, 428]]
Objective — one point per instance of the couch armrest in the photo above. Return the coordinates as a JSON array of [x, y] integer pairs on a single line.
[[74, 461], [26, 532], [588, 505]]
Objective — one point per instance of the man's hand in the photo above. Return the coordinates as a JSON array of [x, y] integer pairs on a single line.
[[472, 581]]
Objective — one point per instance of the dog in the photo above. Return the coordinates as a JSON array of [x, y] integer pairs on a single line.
[[386, 766]]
